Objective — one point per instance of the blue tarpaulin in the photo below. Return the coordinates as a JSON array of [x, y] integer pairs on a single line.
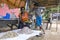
[[7, 16]]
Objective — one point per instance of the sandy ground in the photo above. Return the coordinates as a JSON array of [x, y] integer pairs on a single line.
[[51, 34]]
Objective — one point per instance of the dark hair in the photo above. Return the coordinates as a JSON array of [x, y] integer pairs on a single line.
[[22, 8], [36, 3]]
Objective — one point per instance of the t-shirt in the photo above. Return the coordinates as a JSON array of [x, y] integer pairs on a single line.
[[38, 11], [24, 16]]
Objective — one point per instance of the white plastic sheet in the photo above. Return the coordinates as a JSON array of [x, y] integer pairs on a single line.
[[21, 36]]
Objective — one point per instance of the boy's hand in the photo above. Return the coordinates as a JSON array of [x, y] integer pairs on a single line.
[[34, 20]]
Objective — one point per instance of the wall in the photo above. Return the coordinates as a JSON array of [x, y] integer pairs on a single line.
[[5, 9]]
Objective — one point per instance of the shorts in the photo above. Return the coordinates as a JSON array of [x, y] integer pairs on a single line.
[[38, 21]]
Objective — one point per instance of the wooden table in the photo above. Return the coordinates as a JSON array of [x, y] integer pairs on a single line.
[[9, 21]]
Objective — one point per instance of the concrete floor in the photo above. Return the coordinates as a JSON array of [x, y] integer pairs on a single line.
[[49, 34]]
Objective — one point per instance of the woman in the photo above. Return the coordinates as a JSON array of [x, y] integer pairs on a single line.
[[23, 21]]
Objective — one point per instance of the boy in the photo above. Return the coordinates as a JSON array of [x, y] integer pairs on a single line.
[[38, 17]]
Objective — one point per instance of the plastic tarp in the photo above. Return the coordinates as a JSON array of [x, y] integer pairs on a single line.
[[21, 36]]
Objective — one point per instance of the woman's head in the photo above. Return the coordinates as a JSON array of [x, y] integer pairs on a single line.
[[22, 9]]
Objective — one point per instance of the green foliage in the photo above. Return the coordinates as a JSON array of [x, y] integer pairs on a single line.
[[52, 10], [46, 14]]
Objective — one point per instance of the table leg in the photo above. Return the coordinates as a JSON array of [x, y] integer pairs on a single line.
[[10, 26], [47, 25]]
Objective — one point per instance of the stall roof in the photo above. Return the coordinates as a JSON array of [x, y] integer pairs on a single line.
[[45, 3]]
